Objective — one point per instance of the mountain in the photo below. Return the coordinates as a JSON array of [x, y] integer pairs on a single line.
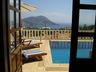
[[40, 22]]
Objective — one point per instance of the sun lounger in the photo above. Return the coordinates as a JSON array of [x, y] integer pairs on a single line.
[[28, 44], [33, 53]]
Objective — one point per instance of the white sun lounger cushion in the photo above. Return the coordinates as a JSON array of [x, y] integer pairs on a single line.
[[31, 52]]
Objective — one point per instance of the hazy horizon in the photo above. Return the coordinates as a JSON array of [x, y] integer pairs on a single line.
[[55, 10], [60, 11]]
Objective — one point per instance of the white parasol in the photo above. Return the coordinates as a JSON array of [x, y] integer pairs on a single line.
[[28, 8]]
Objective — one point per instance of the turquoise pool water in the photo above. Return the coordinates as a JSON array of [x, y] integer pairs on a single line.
[[60, 51]]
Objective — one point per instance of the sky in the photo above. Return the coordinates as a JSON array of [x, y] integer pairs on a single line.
[[87, 16], [88, 1], [60, 11]]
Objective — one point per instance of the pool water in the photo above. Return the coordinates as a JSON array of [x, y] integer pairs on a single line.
[[60, 51]]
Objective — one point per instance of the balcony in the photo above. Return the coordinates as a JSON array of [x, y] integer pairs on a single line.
[[45, 36]]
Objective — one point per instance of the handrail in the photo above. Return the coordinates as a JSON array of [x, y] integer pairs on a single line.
[[39, 34]]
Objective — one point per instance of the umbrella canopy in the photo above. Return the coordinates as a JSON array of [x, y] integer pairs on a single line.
[[27, 8]]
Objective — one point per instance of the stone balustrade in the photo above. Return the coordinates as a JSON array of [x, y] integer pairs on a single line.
[[38, 34]]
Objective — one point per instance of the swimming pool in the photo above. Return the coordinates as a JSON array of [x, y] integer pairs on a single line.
[[60, 51]]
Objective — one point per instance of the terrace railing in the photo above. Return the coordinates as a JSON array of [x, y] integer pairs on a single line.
[[40, 34]]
